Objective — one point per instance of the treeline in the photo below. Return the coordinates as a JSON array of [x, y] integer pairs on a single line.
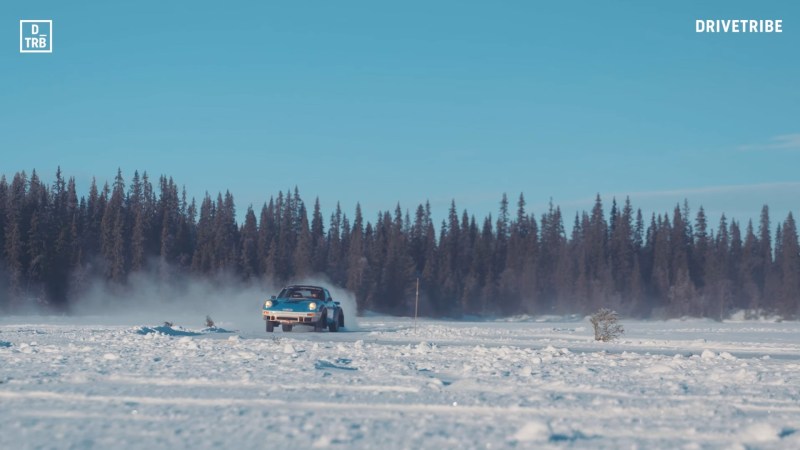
[[54, 244]]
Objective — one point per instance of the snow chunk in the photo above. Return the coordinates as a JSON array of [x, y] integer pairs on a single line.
[[27, 349], [288, 349], [247, 355], [726, 355], [322, 442], [532, 432], [188, 343], [760, 432], [424, 347], [708, 354], [110, 357]]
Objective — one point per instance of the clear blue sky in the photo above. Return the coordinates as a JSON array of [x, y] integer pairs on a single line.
[[386, 102]]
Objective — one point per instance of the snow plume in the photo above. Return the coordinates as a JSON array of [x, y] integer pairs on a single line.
[[153, 297]]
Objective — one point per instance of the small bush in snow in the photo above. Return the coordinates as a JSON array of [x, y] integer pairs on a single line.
[[209, 322], [168, 324], [606, 325]]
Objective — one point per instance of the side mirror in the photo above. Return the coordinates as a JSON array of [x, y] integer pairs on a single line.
[[272, 297]]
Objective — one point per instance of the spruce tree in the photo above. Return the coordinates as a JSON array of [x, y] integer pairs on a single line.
[[702, 249], [249, 246], [788, 303], [266, 235], [301, 262], [318, 255], [138, 227], [356, 261], [334, 241], [751, 265]]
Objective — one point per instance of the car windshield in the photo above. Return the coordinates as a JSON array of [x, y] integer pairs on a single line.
[[301, 292]]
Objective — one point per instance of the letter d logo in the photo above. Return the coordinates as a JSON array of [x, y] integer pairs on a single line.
[[34, 29]]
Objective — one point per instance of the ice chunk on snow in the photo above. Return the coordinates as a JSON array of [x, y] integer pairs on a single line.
[[533, 431], [27, 349], [110, 357], [708, 354], [760, 432], [424, 347], [288, 349], [322, 442]]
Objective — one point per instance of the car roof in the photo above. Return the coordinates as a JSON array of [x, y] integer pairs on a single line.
[[303, 286]]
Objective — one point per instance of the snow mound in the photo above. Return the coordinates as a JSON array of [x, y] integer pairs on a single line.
[[166, 330]]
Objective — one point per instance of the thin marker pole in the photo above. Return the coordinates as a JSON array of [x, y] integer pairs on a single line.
[[416, 307]]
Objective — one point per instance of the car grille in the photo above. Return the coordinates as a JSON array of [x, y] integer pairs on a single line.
[[291, 319]]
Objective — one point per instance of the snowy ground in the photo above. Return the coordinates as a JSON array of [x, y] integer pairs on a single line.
[[92, 383]]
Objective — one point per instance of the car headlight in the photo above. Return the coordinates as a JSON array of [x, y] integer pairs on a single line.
[[267, 303], [312, 306]]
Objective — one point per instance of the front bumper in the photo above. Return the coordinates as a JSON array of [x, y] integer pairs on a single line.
[[290, 316]]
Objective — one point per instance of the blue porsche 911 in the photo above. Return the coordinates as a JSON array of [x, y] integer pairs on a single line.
[[303, 305]]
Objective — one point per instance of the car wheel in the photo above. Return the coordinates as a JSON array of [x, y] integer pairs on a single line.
[[270, 326], [320, 325], [286, 327], [334, 325]]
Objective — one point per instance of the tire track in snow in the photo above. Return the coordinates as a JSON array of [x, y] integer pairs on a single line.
[[549, 411]]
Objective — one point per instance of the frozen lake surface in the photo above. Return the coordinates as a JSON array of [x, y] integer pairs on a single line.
[[92, 382]]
